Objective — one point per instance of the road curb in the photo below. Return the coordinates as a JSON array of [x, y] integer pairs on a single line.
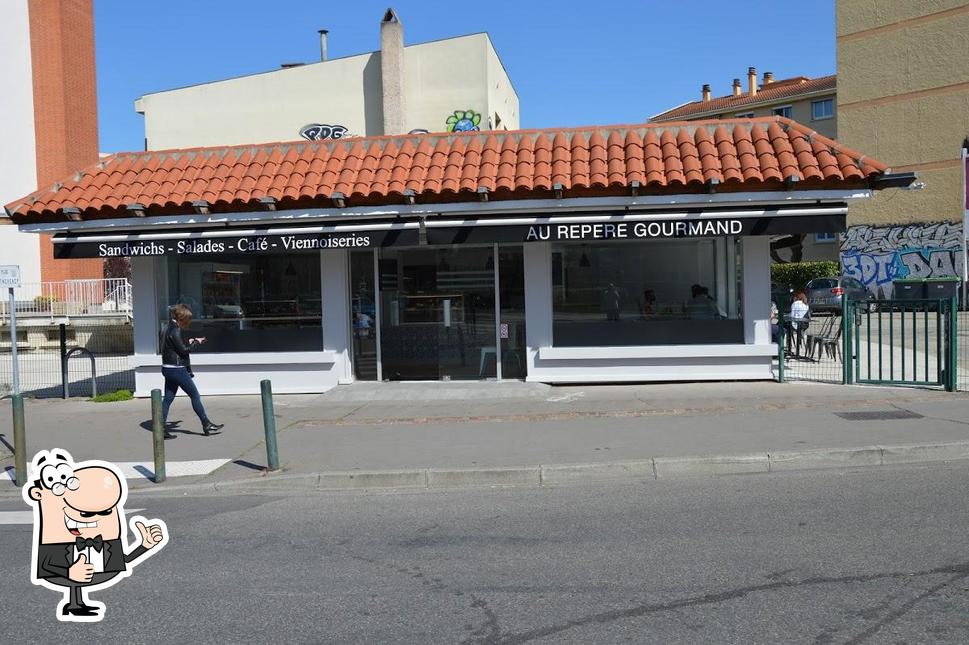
[[642, 469], [655, 468]]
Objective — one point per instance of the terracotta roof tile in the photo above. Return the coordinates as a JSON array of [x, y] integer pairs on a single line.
[[542, 177], [664, 158]]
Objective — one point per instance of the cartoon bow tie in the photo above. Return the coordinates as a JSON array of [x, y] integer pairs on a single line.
[[83, 543]]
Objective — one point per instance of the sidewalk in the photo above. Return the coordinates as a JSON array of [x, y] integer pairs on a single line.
[[423, 428]]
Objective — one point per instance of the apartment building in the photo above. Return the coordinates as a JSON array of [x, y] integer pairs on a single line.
[[49, 117], [903, 94], [811, 101]]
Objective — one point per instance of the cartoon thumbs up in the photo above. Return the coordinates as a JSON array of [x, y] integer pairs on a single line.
[[80, 571], [151, 535]]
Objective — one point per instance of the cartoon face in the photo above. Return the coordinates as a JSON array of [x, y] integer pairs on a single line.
[[463, 121], [76, 503]]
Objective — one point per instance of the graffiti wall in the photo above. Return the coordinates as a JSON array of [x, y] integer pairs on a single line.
[[321, 131], [879, 255], [463, 121]]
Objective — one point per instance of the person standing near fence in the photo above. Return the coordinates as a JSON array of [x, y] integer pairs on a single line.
[[800, 318], [177, 368]]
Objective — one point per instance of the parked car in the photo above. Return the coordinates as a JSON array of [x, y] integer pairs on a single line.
[[780, 294], [827, 294]]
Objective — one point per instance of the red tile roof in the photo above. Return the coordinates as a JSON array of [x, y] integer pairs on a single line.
[[785, 89], [738, 155]]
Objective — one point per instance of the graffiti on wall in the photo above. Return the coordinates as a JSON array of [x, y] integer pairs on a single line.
[[879, 255], [321, 131], [463, 121]]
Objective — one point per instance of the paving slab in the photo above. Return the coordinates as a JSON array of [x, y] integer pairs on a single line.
[[375, 434]]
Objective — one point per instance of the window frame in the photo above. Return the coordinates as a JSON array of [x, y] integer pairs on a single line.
[[814, 116], [825, 240], [744, 115], [789, 108], [726, 266]]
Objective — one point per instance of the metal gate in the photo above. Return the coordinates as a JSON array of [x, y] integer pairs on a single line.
[[901, 342]]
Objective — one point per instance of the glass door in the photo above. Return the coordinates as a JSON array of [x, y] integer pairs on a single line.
[[363, 315], [437, 312]]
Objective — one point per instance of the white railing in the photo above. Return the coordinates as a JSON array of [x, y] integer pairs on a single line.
[[70, 298]]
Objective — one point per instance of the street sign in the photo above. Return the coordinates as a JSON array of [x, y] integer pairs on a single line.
[[9, 276]]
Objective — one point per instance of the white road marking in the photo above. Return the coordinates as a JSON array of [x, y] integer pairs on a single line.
[[146, 469], [27, 517], [565, 398]]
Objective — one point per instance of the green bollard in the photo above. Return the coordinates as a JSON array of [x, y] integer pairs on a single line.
[[269, 421], [158, 435], [19, 439]]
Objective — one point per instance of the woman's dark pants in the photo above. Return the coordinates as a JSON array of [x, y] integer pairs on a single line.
[[178, 377]]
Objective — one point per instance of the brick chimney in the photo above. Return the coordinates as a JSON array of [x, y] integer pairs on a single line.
[[392, 72], [706, 93], [752, 81], [736, 87]]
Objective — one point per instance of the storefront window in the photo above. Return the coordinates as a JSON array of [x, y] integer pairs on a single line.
[[664, 292], [250, 303]]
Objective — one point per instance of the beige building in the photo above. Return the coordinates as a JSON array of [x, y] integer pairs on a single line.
[[454, 84], [903, 96], [811, 101]]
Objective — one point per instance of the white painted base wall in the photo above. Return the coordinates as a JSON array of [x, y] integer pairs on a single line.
[[290, 373]]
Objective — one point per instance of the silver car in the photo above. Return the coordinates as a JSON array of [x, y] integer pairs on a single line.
[[826, 294]]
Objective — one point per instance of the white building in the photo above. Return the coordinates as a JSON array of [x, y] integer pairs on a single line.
[[451, 84]]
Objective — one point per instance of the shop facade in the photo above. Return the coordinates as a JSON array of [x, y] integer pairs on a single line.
[[563, 280]]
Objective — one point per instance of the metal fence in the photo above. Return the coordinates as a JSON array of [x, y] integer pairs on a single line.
[[962, 351], [70, 298], [814, 352], [44, 347], [892, 343]]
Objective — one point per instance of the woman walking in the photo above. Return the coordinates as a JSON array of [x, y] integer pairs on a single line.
[[177, 368]]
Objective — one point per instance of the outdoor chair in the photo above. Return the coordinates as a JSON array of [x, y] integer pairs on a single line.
[[814, 339], [832, 345], [795, 332]]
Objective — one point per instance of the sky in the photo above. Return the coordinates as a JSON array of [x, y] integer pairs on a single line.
[[572, 63]]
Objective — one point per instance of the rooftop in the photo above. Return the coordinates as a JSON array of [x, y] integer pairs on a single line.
[[697, 156], [767, 93]]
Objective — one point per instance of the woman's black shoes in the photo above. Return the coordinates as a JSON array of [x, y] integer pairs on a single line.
[[210, 427]]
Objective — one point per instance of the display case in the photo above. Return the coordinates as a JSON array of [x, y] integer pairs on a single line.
[[221, 294]]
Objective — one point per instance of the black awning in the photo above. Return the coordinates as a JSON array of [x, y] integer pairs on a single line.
[[597, 226], [627, 228]]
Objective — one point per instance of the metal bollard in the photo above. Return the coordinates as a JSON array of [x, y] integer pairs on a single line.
[[158, 435], [64, 377], [269, 421], [19, 440]]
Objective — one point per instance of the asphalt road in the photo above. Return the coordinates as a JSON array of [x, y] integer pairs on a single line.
[[864, 556]]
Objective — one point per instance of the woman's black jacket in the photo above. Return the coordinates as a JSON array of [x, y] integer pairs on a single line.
[[174, 351]]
